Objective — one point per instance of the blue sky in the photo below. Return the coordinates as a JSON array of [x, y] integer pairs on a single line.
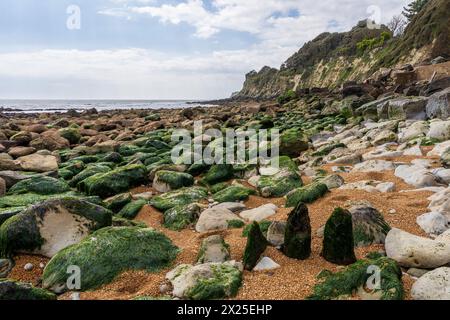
[[155, 49]]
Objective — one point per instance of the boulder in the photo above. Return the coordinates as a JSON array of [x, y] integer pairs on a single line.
[[171, 180], [438, 105], [297, 235], [255, 247], [260, 213], [433, 223], [266, 264], [413, 251], [292, 143], [214, 249], [40, 185], [276, 232], [108, 252], [233, 193], [132, 209], [178, 197], [306, 194], [15, 290], [22, 138], [403, 108], [369, 226], [439, 130], [332, 181], [51, 226], [279, 184], [416, 175], [206, 281], [50, 140], [38, 163], [218, 173], [383, 137], [17, 152], [182, 216], [434, 285], [373, 166], [215, 219], [415, 130]]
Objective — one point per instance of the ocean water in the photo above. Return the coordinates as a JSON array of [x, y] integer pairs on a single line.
[[37, 106]]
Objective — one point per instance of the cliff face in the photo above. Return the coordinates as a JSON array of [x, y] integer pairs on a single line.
[[333, 58]]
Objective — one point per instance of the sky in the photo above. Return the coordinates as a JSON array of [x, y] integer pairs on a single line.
[[159, 49]]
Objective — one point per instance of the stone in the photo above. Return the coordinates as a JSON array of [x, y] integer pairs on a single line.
[[442, 174], [260, 213], [38, 163], [438, 105], [413, 251], [279, 184], [178, 197], [403, 108], [433, 223], [234, 207], [297, 235], [22, 137], [206, 281], [108, 252], [28, 267], [293, 142], [386, 187], [369, 226], [332, 181], [417, 129], [275, 233], [233, 193], [373, 166], [255, 247], [183, 216], [416, 176], [306, 194], [40, 185], [214, 249], [50, 140], [215, 219], [6, 266], [50, 226], [434, 285], [2, 187], [218, 173], [439, 130], [439, 149], [413, 151], [15, 290], [338, 240], [171, 180], [416, 272], [131, 209], [383, 137], [17, 152], [266, 264]]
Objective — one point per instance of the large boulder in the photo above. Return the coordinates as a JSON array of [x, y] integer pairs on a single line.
[[50, 140], [417, 252], [218, 173], [181, 217], [415, 130], [373, 166], [439, 130], [38, 163], [434, 285], [293, 142], [260, 213], [40, 185], [51, 226], [178, 197], [233, 193], [403, 108], [306, 194], [166, 180], [216, 219], [108, 252], [438, 105], [15, 290], [206, 281], [297, 234]]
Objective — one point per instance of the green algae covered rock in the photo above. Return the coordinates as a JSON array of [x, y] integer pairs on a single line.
[[178, 197], [39, 185], [108, 252], [306, 194], [206, 281], [218, 173], [117, 202], [233, 193], [297, 236], [338, 244], [131, 210], [26, 199], [293, 142], [71, 168], [90, 170], [166, 180], [263, 226], [279, 184], [355, 276], [50, 226], [218, 187], [6, 213], [256, 245], [15, 290], [71, 134], [115, 181], [181, 217]]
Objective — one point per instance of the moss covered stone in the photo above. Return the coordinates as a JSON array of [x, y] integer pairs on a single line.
[[40, 185], [166, 180], [122, 222], [86, 173], [306, 194], [338, 238], [369, 226], [6, 213], [235, 224], [218, 187], [178, 197], [15, 290], [181, 217], [107, 253], [256, 245], [115, 181], [47, 227], [279, 184], [327, 149], [117, 202], [218, 173], [347, 282], [214, 249], [233, 193], [293, 142], [131, 210], [263, 226], [71, 134], [297, 236], [26, 199]]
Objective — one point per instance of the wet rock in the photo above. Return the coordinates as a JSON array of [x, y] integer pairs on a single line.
[[297, 236], [255, 247]]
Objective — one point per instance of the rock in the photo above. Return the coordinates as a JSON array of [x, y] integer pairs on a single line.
[[383, 137], [14, 290], [439, 149], [369, 226], [131, 209], [416, 175], [17, 152], [36, 128], [297, 236], [266, 264], [206, 281], [365, 185], [434, 285], [178, 197], [219, 173], [38, 163], [413, 251], [7, 163], [22, 137], [40, 185], [416, 130], [28, 267], [2, 187], [279, 184], [143, 196], [386, 187], [71, 134], [171, 180], [338, 238], [292, 143], [6, 266], [255, 247], [215, 219], [416, 272], [373, 166], [403, 108], [413, 151], [350, 159], [306, 194], [115, 181], [442, 174], [214, 249], [332, 181], [51, 226], [234, 207], [88, 171], [181, 217], [445, 159], [233, 193], [275, 233], [433, 223], [439, 130], [50, 140], [260, 213], [118, 248], [438, 105]]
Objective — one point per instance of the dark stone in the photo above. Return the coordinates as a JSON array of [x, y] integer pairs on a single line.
[[338, 238], [297, 236], [256, 245]]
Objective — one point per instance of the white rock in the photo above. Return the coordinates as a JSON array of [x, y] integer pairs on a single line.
[[413, 151], [260, 213], [28, 267], [215, 219], [234, 207], [439, 149], [266, 264], [442, 174], [386, 187], [415, 130], [433, 223], [374, 166], [439, 130], [416, 176], [434, 285]]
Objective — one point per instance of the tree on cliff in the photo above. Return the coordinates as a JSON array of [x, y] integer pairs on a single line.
[[414, 8]]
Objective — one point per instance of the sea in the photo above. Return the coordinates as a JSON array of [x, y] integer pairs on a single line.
[[39, 106]]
